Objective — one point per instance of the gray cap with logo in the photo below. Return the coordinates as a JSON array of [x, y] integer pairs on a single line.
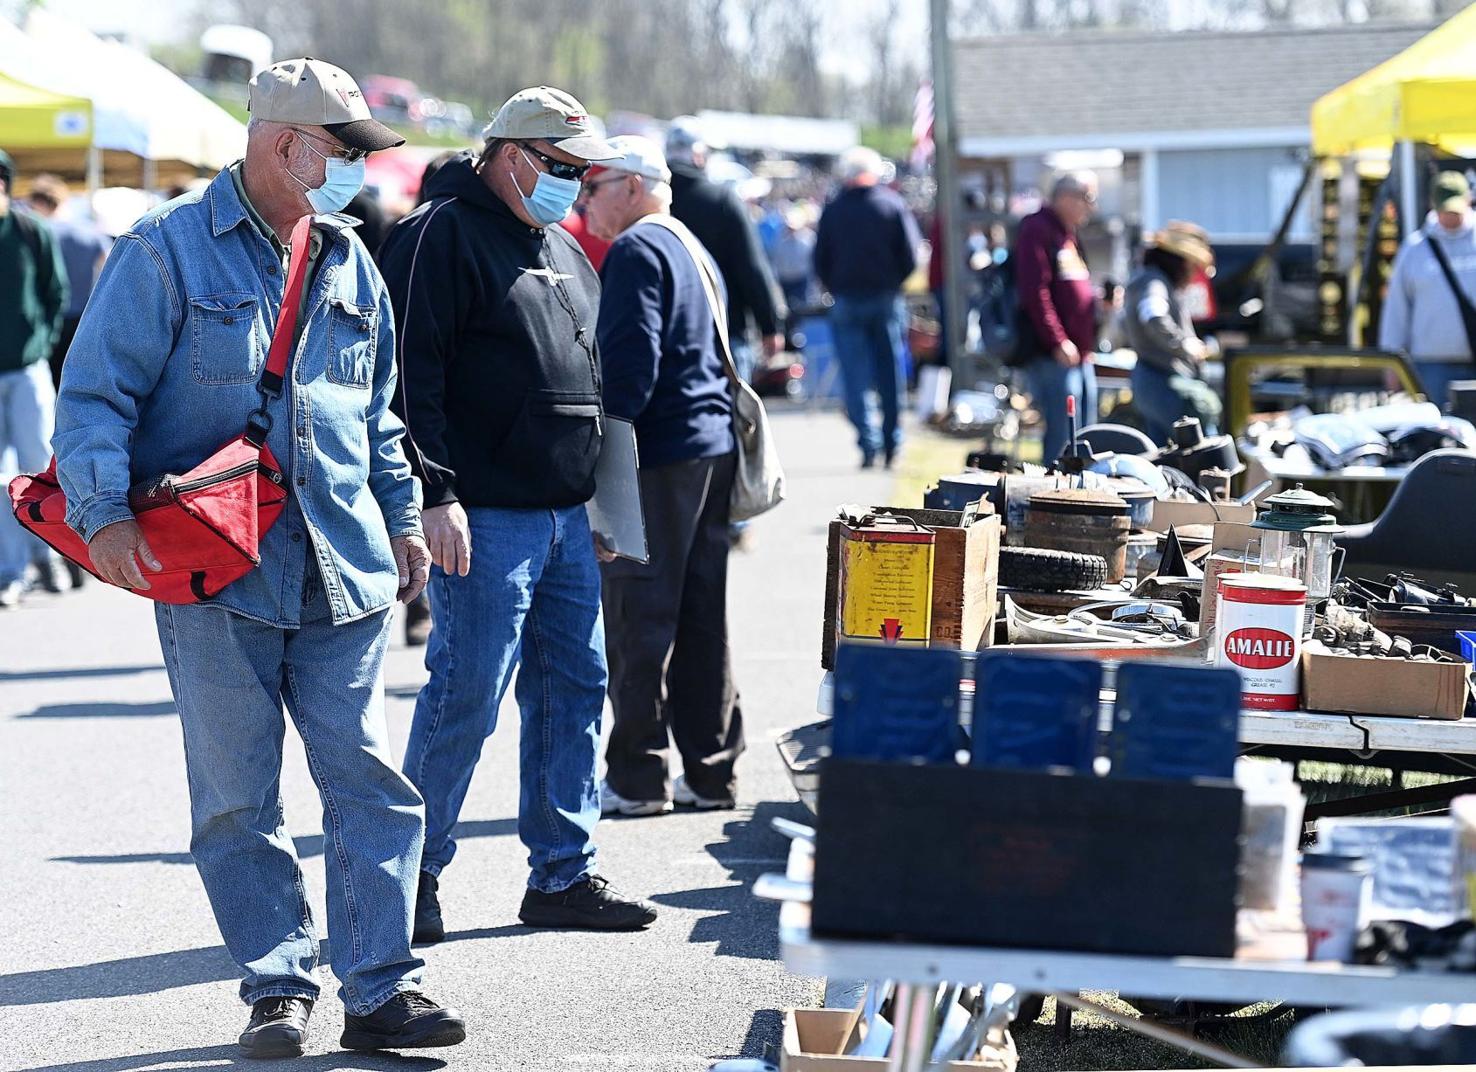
[[311, 93], [542, 113]]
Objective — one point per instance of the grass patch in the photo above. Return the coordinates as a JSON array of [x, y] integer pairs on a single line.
[[1097, 1043]]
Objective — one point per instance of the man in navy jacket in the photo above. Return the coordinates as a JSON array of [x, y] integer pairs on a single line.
[[866, 246], [666, 621]]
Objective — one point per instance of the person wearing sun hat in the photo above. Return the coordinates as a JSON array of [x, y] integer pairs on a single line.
[[166, 364], [500, 389], [1167, 382]]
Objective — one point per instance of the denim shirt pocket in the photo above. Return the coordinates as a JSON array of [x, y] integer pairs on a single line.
[[225, 345], [351, 337]]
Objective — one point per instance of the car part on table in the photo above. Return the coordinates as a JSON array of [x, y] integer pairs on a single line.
[[1121, 464], [1412, 442], [1118, 439], [1082, 520], [1138, 623], [1340, 441], [1192, 452], [1043, 570]]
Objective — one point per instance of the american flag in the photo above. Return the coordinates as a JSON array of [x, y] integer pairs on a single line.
[[922, 126]]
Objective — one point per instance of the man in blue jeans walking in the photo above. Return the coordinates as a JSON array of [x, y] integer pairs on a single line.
[[865, 248], [164, 368], [500, 389]]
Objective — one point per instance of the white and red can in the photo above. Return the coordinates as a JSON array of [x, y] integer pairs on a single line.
[[1258, 622]]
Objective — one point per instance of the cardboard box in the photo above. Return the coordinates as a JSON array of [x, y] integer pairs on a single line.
[[815, 1039], [1373, 685], [1227, 555], [1168, 515], [963, 589]]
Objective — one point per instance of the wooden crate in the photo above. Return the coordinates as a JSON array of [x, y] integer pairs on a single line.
[[965, 593]]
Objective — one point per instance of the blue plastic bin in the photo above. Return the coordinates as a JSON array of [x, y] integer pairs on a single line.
[[1467, 640]]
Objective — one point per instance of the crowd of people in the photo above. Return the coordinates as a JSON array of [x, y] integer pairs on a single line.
[[439, 430], [438, 426]]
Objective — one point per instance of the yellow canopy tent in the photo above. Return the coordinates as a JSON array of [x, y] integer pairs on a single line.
[[33, 118], [1426, 94]]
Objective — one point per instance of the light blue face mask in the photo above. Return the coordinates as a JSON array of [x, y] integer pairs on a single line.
[[341, 183], [552, 197]]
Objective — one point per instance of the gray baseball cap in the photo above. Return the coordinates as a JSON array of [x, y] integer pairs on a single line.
[[542, 113], [311, 93]]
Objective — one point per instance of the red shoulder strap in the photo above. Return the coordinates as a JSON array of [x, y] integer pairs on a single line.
[[285, 334]]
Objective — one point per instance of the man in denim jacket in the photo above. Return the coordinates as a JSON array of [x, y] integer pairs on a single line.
[[164, 368]]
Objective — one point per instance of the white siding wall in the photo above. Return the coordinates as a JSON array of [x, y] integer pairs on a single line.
[[1232, 193]]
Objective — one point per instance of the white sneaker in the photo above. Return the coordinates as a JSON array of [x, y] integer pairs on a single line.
[[688, 799], [612, 803]]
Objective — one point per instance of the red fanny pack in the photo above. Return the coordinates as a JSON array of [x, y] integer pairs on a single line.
[[204, 526]]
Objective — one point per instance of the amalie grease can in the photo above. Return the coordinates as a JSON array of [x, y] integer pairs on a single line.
[[1259, 632]]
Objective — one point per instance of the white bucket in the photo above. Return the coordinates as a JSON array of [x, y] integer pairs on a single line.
[[1258, 626]]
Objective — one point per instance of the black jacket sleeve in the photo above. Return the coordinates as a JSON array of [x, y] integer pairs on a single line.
[[752, 285], [431, 281]]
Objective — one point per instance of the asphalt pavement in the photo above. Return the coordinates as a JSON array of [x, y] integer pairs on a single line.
[[109, 957]]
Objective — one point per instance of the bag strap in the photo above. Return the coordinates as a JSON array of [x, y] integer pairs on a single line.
[[709, 286], [284, 336], [1468, 312]]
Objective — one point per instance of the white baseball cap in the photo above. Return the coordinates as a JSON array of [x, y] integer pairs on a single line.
[[638, 156], [312, 93]]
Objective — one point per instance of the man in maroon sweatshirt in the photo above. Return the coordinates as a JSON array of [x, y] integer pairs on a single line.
[[1056, 293]]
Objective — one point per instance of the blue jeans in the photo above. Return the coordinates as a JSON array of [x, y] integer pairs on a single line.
[[1437, 376], [27, 407], [533, 595], [1050, 383], [230, 676], [1161, 398], [868, 344]]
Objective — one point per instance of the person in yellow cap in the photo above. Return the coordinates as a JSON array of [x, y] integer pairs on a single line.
[[1167, 381]]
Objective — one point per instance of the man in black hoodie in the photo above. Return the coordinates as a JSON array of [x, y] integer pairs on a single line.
[[500, 392]]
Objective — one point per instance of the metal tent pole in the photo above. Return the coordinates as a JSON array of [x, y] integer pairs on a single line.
[[1410, 216], [950, 203]]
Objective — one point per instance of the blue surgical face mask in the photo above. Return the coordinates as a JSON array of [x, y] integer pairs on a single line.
[[342, 182], [552, 197]]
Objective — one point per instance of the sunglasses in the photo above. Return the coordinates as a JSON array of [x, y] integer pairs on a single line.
[[557, 168], [590, 186], [348, 156]]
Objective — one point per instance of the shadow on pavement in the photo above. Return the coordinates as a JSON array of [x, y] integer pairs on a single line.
[[78, 671], [308, 845], [102, 710], [740, 924], [510, 930], [118, 978], [230, 1057]]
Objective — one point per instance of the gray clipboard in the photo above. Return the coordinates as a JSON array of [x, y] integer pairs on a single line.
[[615, 513]]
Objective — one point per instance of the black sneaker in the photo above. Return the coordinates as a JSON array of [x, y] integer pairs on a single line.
[[589, 904], [407, 1021], [278, 1028], [48, 576], [428, 926]]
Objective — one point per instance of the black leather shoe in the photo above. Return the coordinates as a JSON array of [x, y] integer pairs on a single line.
[[587, 905], [408, 1021], [278, 1028], [428, 926]]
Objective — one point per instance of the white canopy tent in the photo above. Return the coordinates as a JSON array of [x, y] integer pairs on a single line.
[[140, 108]]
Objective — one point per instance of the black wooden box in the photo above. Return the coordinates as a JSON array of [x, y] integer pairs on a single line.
[[1009, 858]]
